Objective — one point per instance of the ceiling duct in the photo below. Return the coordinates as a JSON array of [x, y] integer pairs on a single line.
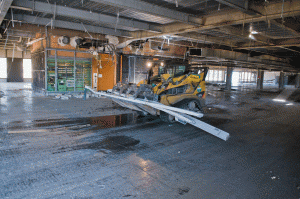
[[76, 41], [112, 39], [160, 48], [64, 40], [195, 52]]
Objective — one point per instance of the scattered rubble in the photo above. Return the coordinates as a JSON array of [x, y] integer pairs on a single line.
[[64, 97], [58, 96], [1, 94], [75, 95]]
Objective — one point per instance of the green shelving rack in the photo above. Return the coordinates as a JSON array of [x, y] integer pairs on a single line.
[[68, 80]]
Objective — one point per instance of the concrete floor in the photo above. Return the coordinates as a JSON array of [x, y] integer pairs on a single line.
[[69, 149]]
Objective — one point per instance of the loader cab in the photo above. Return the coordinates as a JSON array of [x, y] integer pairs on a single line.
[[175, 68], [199, 71]]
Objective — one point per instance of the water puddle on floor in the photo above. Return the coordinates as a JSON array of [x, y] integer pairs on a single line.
[[93, 123]]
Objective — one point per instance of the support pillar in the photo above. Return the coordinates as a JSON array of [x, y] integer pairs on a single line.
[[229, 78], [297, 85], [260, 80], [15, 70], [281, 80]]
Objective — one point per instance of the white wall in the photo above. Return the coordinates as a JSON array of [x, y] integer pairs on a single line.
[[270, 77], [3, 68], [27, 69]]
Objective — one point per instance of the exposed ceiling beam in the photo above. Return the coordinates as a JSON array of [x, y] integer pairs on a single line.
[[230, 18], [70, 25], [244, 34], [23, 29], [296, 33], [121, 23], [12, 33], [240, 5], [192, 37], [288, 42], [206, 39], [258, 38], [275, 43], [21, 8], [149, 8], [4, 6]]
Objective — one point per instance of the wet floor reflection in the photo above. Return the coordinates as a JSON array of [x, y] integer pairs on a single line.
[[10, 92], [112, 143], [3, 105], [94, 123]]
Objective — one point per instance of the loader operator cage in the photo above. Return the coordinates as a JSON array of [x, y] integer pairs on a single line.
[[176, 69], [198, 70]]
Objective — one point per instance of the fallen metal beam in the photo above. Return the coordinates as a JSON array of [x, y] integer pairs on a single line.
[[181, 115]]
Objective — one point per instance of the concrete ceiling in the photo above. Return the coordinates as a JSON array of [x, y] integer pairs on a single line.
[[254, 27]]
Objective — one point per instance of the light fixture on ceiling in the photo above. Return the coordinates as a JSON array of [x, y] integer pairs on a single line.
[[251, 36], [279, 100], [252, 31]]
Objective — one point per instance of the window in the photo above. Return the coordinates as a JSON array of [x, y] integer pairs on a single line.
[[3, 68], [215, 76], [242, 78], [27, 70]]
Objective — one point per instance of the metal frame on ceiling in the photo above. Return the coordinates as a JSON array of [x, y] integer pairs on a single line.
[[242, 25]]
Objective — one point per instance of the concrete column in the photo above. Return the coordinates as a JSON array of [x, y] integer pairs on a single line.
[[229, 78], [260, 80], [15, 70], [281, 80], [297, 85]]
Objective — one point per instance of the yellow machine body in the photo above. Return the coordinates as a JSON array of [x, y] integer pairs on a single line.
[[176, 88]]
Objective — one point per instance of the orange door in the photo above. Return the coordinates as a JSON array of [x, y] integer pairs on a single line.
[[105, 70]]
